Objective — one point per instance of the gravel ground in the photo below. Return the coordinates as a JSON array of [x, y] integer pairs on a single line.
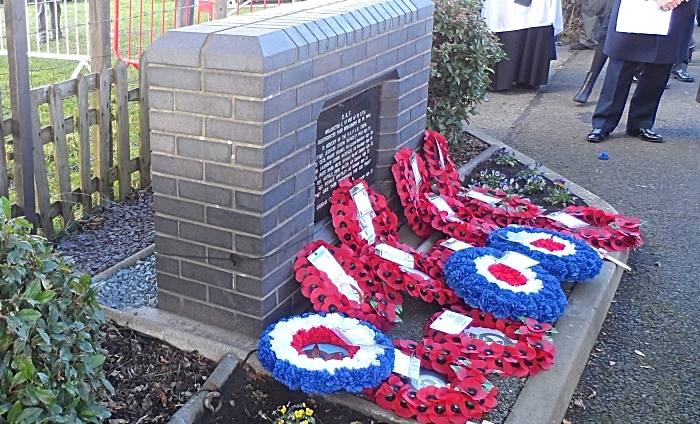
[[107, 237], [134, 286], [111, 234]]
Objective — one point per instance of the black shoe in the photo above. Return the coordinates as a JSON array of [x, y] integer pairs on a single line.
[[580, 46], [586, 89], [645, 134], [682, 75], [597, 135]]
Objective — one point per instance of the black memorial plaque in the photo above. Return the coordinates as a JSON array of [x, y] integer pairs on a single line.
[[345, 145]]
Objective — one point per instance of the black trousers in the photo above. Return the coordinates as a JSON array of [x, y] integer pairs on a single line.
[[645, 100]]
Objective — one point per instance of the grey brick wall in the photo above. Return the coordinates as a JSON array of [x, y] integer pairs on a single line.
[[233, 115]]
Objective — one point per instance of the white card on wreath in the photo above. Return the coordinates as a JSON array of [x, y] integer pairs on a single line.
[[455, 245], [322, 259], [394, 255], [416, 171], [483, 197], [442, 158], [517, 261], [408, 366], [417, 272], [365, 213], [442, 206], [451, 322], [566, 219]]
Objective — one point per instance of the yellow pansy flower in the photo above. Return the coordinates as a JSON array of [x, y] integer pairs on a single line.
[[283, 409], [309, 411], [298, 413]]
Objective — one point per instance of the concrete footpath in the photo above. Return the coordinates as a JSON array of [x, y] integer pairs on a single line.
[[643, 368]]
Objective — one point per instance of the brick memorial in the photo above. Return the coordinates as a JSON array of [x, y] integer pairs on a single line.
[[254, 119]]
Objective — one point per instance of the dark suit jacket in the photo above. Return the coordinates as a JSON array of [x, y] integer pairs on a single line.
[[659, 49]]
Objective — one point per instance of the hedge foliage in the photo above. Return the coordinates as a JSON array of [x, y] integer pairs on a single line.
[[50, 360], [464, 50]]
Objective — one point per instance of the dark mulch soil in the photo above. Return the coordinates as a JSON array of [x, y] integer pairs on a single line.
[[467, 149], [152, 379], [110, 233], [511, 172], [248, 393]]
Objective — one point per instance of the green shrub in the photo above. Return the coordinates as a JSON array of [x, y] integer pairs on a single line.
[[464, 51], [50, 361]]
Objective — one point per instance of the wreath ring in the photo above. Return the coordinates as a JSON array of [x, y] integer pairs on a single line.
[[312, 352]]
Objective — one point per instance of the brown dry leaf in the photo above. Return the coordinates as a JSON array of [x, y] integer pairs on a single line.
[[565, 421], [162, 397], [592, 395]]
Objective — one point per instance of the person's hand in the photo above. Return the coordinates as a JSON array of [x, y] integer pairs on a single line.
[[668, 4]]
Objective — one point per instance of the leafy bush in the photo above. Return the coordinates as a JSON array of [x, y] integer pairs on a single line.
[[50, 361], [464, 50]]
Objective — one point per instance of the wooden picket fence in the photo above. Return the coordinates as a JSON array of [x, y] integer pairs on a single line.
[[101, 125]]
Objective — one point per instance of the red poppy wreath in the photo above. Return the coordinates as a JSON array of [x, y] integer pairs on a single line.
[[506, 346], [499, 207], [361, 216], [402, 268], [610, 231], [335, 280], [439, 165], [448, 387], [427, 211], [411, 184]]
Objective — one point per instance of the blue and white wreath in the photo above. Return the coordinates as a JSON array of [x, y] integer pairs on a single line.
[[478, 276], [565, 257], [325, 353]]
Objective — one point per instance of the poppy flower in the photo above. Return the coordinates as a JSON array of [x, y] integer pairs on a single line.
[[542, 344], [533, 326], [386, 397], [310, 284], [473, 388]]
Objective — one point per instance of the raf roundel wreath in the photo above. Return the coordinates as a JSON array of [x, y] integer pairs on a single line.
[[478, 277], [312, 352], [565, 257]]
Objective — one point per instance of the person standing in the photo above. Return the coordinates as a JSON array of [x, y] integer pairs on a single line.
[[591, 13], [526, 30], [654, 55], [54, 22], [599, 58], [680, 70]]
